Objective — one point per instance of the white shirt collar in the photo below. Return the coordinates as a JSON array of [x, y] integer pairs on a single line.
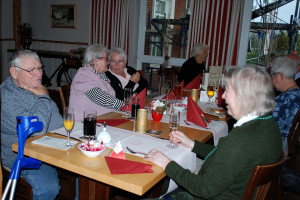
[[245, 119]]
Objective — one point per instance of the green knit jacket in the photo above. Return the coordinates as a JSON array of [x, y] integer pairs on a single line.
[[228, 167]]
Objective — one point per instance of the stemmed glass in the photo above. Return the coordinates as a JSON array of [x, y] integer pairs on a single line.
[[173, 125], [68, 124], [176, 91], [169, 88], [210, 93], [127, 98]]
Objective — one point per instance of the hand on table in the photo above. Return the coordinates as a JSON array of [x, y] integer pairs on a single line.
[[41, 90], [135, 77], [179, 137], [157, 158]]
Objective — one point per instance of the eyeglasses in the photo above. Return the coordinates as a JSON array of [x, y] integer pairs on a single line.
[[32, 71], [274, 74], [102, 58], [120, 62]]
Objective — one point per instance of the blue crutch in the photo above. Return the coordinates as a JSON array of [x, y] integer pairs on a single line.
[[25, 126]]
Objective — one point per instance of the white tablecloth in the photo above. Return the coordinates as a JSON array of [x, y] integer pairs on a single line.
[[143, 143]]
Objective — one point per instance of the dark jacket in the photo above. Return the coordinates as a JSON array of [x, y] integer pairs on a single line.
[[189, 70], [116, 83]]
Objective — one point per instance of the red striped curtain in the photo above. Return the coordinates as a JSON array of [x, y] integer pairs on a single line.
[[217, 24], [110, 23]]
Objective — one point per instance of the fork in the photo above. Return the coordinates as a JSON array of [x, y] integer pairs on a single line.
[[135, 152]]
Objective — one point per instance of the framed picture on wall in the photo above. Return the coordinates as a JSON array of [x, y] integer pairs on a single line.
[[63, 16]]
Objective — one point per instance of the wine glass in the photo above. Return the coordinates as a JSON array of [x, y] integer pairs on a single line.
[[68, 124], [169, 88], [210, 93], [176, 90], [173, 125], [127, 98]]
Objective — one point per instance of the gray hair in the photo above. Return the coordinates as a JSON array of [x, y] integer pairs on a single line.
[[119, 51], [254, 89], [19, 55], [197, 48], [284, 65], [93, 51]]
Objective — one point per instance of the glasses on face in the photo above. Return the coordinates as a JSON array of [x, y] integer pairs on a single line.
[[120, 62], [274, 74], [103, 59], [32, 71]]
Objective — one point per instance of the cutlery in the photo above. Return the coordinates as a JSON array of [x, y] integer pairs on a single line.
[[135, 152], [187, 122]]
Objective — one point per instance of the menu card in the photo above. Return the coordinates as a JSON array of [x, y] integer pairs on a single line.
[[215, 74]]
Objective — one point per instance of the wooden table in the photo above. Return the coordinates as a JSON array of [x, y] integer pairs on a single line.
[[95, 179]]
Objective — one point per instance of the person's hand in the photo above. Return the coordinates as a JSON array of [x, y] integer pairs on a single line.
[[135, 77], [157, 158], [41, 90], [179, 137]]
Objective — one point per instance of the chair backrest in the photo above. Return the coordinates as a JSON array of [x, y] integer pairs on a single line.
[[293, 138], [64, 92], [261, 178]]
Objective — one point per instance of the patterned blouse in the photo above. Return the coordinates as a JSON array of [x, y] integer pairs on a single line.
[[287, 105]]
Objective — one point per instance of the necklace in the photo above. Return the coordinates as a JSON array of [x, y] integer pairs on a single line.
[[292, 87], [258, 118]]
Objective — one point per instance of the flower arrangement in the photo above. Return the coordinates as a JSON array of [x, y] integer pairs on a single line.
[[25, 29], [158, 106]]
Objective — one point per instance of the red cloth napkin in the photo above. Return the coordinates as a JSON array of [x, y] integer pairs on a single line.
[[194, 114], [112, 122], [194, 84], [221, 101], [120, 166], [142, 96], [171, 96]]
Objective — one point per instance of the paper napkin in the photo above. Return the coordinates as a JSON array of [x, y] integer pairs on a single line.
[[142, 96], [195, 115], [118, 152], [121, 166], [171, 96], [112, 122], [194, 84]]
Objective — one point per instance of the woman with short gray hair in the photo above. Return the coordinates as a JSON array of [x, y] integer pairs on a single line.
[[195, 64], [91, 89]]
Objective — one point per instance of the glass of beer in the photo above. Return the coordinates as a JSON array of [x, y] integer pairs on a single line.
[[135, 107], [210, 93]]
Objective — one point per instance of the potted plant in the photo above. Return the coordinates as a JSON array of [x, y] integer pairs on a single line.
[[25, 31], [157, 109]]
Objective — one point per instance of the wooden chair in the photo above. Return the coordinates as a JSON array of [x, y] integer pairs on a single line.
[[64, 92], [261, 178], [293, 140]]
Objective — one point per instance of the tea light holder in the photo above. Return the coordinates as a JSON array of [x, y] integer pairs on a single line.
[[194, 95], [142, 120]]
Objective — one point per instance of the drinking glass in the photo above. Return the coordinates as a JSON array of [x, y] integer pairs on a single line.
[[89, 124], [169, 88], [127, 97], [210, 93], [176, 90], [68, 124], [135, 107], [173, 125]]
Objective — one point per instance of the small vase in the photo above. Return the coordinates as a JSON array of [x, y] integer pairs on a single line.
[[156, 116]]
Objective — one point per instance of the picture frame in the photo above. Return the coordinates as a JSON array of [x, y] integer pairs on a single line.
[[63, 16]]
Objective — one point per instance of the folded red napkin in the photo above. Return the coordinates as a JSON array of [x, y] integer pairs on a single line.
[[195, 115], [171, 96], [142, 96], [221, 101], [112, 122], [194, 84], [121, 166], [118, 152]]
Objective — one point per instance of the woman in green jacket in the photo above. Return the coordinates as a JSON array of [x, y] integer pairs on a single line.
[[254, 140]]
